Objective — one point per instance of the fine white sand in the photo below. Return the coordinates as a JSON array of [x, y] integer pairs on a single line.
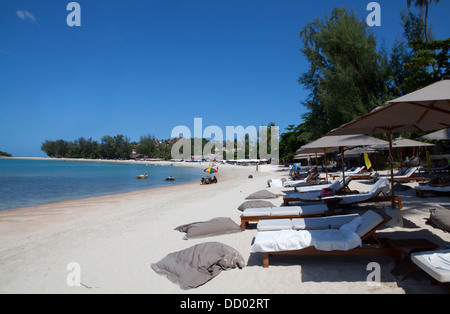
[[114, 239]]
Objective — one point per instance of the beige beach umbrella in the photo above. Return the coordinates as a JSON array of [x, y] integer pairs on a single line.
[[328, 144], [400, 142], [423, 110], [439, 135]]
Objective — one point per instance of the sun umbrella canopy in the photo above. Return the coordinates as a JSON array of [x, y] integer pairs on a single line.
[[332, 143], [306, 156], [210, 170], [423, 110], [360, 150], [439, 135], [328, 144], [400, 142]]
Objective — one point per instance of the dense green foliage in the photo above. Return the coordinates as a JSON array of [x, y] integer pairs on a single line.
[[4, 154], [117, 147], [349, 76], [430, 64]]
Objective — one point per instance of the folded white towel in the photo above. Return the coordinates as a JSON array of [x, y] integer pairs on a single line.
[[440, 259]]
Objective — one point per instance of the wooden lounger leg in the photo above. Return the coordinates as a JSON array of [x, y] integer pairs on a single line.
[[399, 201], [265, 260]]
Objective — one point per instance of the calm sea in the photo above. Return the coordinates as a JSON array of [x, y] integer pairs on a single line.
[[26, 183]]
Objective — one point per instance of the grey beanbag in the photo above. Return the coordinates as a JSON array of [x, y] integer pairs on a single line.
[[440, 217], [263, 194], [255, 204], [197, 265], [215, 226]]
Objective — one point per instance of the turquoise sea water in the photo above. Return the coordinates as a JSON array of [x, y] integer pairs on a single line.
[[25, 183]]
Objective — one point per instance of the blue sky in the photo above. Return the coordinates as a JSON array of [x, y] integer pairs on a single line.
[[136, 67]]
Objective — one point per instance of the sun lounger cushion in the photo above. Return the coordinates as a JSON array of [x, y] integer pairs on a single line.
[[274, 224], [316, 209], [381, 186], [213, 227], [440, 217], [263, 194], [255, 204], [274, 211], [315, 194], [435, 263], [331, 222], [398, 175], [274, 183], [440, 259], [433, 188], [257, 212], [308, 196], [315, 187], [370, 220], [321, 223], [342, 239], [285, 211], [197, 265]]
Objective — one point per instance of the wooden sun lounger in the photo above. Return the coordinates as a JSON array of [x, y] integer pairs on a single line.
[[439, 276], [381, 249], [247, 219], [332, 204], [432, 190], [402, 178], [361, 174], [300, 196]]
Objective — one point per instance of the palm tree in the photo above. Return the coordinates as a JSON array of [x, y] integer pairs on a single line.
[[423, 4]]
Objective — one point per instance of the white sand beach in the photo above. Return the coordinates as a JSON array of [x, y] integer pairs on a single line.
[[114, 239]]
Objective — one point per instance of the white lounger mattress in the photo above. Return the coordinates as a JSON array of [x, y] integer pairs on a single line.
[[435, 263], [331, 222], [345, 238], [433, 188], [315, 209], [342, 239]]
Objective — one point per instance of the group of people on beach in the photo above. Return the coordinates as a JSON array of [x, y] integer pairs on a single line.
[[208, 180], [297, 175]]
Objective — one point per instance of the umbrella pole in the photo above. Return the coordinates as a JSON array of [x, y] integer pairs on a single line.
[[392, 167], [326, 167], [343, 168]]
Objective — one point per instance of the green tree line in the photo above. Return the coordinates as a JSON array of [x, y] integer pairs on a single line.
[[121, 147], [4, 154], [109, 147], [349, 74]]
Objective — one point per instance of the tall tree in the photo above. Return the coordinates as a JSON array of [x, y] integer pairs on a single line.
[[346, 76], [423, 4], [148, 146]]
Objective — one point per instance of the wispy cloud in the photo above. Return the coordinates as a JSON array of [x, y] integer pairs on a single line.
[[25, 15]]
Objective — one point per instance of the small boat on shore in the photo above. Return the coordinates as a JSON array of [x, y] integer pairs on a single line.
[[170, 178], [142, 176]]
